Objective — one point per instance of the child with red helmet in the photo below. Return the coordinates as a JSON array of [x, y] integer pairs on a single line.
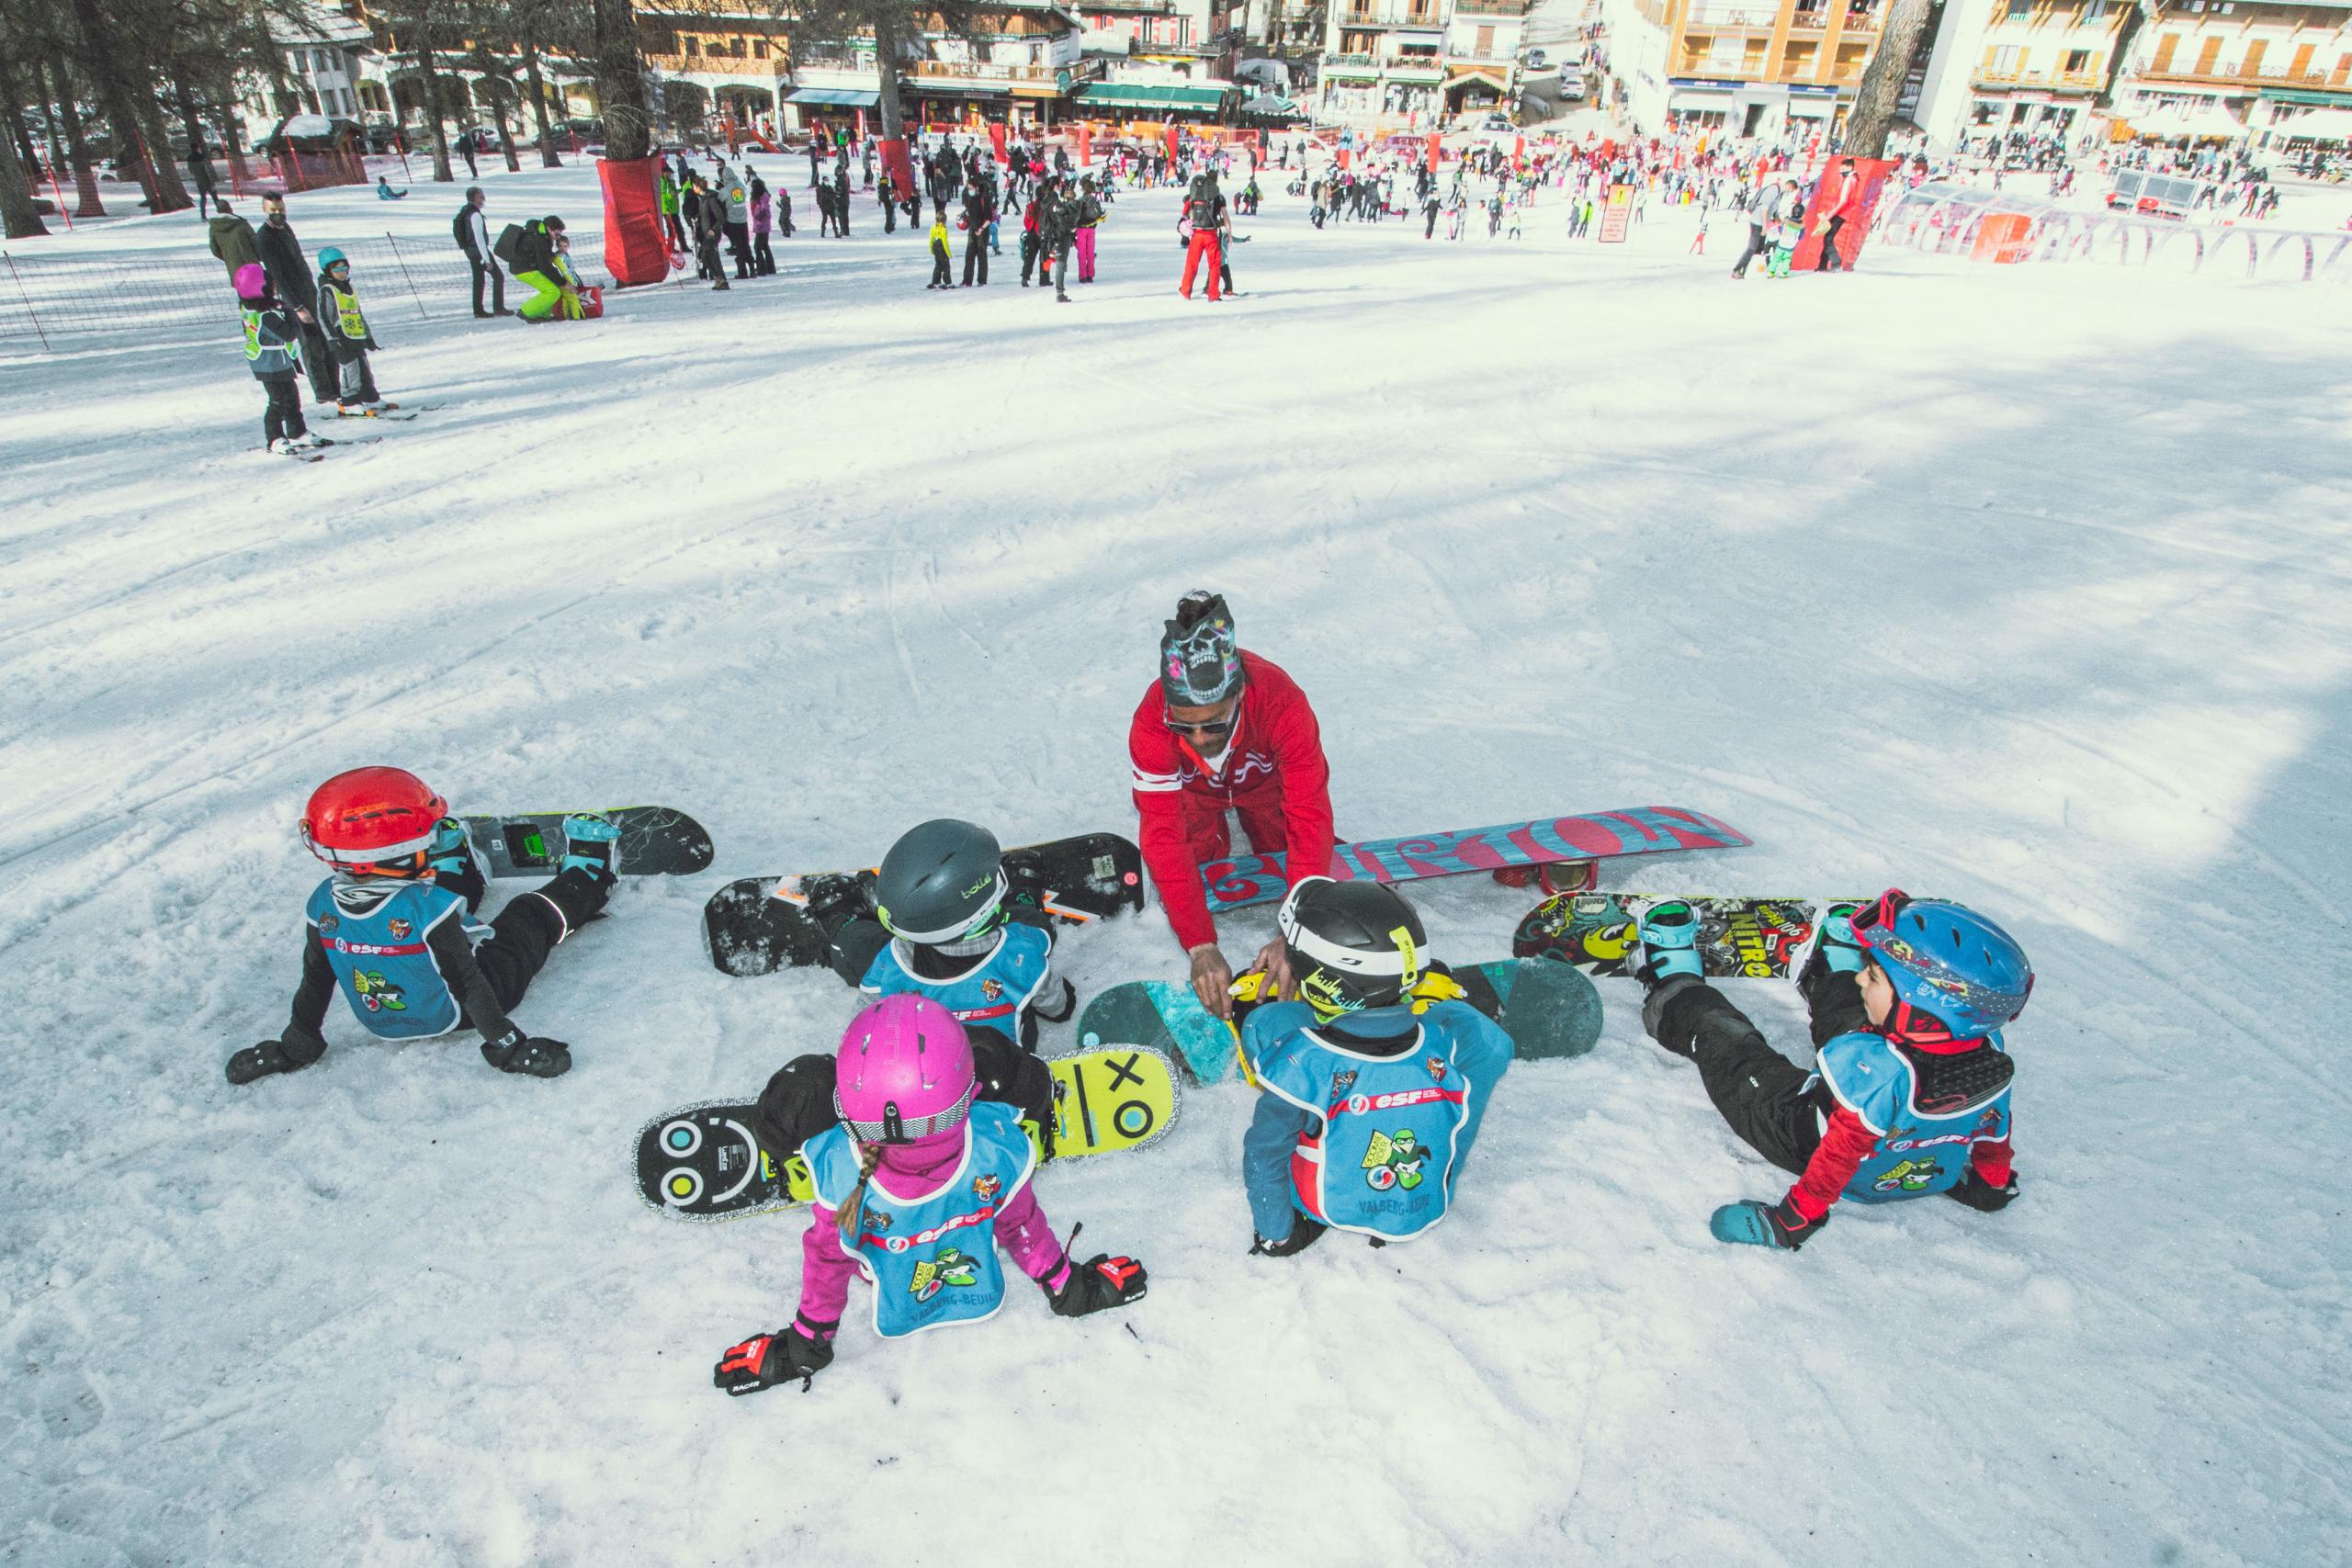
[[394, 930], [1909, 1095], [916, 1191]]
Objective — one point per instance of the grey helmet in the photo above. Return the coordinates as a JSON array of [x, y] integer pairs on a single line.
[[1199, 661], [942, 882]]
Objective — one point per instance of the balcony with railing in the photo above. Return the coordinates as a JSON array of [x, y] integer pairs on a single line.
[[2189, 76], [1491, 7], [1729, 19], [2060, 81], [1426, 16]]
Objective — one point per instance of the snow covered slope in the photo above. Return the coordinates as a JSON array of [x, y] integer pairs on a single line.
[[2026, 589]]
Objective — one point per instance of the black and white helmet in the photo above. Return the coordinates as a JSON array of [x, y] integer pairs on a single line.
[[942, 882], [1352, 945]]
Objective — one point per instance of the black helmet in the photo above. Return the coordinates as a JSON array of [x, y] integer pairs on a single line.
[[1199, 663], [942, 882], [1352, 944]]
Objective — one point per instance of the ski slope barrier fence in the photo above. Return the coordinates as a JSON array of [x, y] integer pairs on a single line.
[[49, 304], [1988, 226]]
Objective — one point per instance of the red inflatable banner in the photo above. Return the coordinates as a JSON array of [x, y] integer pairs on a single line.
[[1844, 200], [636, 249], [1175, 143], [1437, 149], [1085, 143], [996, 140], [902, 172]]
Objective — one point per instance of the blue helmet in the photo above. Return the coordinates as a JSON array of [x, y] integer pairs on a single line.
[[329, 257], [1956, 975]]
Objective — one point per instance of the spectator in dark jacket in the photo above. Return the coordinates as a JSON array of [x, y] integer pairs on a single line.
[[471, 231], [233, 242], [710, 228], [977, 212], [290, 280]]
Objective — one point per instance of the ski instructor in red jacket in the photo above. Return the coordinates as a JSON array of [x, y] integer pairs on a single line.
[[1224, 730]]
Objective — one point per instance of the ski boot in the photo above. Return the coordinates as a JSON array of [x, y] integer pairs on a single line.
[[1837, 948], [284, 447], [451, 858], [591, 844], [1669, 943]]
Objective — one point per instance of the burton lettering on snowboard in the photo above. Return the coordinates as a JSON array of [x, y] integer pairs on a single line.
[[1605, 835], [1549, 1009], [756, 925], [656, 841], [1752, 939], [704, 1162]]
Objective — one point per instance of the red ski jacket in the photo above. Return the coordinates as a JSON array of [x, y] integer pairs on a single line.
[[1273, 763]]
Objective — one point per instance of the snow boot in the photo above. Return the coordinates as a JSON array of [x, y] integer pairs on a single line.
[[1669, 943], [298, 1049], [592, 843]]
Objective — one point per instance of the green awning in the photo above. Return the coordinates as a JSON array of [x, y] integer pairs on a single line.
[[2297, 96], [1141, 95], [834, 98]]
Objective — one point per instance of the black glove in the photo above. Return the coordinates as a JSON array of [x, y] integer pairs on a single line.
[[514, 1052], [1780, 1224], [1101, 1281], [1981, 1195], [294, 1050], [770, 1360], [1304, 1234]]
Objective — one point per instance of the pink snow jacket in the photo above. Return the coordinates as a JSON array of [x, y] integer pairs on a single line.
[[827, 1267]]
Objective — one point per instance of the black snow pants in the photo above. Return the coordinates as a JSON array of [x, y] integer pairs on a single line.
[[1777, 1108]]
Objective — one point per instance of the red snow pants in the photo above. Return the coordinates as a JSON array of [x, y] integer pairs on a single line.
[[1204, 245]]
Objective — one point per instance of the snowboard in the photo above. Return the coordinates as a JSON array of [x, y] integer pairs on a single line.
[[1635, 831], [1550, 1010], [656, 841], [704, 1162], [756, 925], [1755, 939]]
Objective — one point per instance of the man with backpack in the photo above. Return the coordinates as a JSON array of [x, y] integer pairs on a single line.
[[471, 231], [1206, 210], [528, 251]]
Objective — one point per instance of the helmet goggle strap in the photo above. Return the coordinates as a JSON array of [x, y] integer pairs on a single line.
[[895, 1129], [992, 916]]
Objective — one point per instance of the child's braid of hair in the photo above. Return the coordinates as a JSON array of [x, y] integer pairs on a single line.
[[851, 1218]]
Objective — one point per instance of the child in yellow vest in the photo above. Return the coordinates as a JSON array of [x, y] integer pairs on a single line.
[[348, 339], [939, 274]]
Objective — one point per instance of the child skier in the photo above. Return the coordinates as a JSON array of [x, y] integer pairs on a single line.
[[348, 339], [916, 1191], [939, 278], [273, 351], [1908, 997], [394, 928], [1369, 1110], [1787, 231], [934, 922]]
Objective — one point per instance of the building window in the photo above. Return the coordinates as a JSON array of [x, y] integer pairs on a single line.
[[2077, 62], [759, 49], [2020, 9], [694, 47]]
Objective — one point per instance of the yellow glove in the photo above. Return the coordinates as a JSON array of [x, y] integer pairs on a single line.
[[1436, 988]]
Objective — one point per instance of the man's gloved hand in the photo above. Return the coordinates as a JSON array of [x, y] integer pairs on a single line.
[[1981, 1195], [1101, 1281], [1304, 1234], [770, 1360], [1752, 1223]]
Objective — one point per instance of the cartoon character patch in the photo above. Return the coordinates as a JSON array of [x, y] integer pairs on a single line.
[[1436, 1065], [1344, 1081], [986, 1188], [328, 922], [1398, 1161], [950, 1268], [399, 929], [376, 995], [991, 989], [877, 1220], [1910, 1176]]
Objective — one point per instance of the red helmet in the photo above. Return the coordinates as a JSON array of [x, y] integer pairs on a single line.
[[373, 821]]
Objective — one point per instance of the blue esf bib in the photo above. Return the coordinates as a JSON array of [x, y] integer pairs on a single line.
[[373, 935], [991, 993], [1921, 1149], [1381, 1162], [932, 1258]]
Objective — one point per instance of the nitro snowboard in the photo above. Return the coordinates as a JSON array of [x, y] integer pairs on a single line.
[[1549, 1010], [704, 1162], [1757, 939], [656, 841], [1606, 835], [756, 925]]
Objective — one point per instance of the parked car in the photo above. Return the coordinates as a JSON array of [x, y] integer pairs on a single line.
[[1537, 59]]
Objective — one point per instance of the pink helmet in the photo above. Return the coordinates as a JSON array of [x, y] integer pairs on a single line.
[[252, 281], [904, 1072]]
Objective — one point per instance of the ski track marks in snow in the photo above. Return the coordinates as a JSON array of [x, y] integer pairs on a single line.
[[1537, 527]]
